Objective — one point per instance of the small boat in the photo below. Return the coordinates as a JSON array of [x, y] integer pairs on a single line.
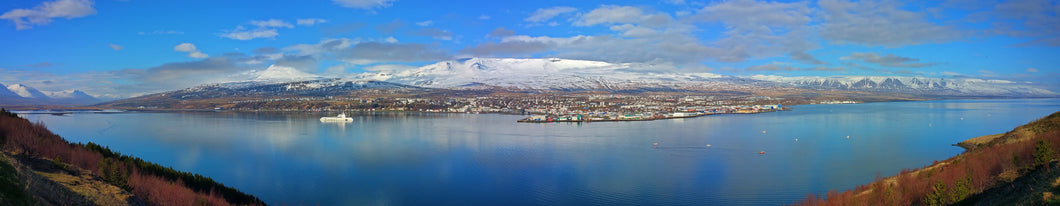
[[341, 118]]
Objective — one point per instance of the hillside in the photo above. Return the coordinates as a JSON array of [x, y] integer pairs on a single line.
[[1017, 167], [34, 181], [41, 168]]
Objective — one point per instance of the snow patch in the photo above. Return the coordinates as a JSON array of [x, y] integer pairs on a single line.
[[279, 74]]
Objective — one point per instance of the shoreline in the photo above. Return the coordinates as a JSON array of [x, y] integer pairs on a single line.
[[977, 142], [580, 118], [993, 169]]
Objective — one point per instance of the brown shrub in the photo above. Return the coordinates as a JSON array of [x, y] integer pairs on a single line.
[[22, 137], [966, 174]]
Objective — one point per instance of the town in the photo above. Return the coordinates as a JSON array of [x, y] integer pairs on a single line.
[[542, 108]]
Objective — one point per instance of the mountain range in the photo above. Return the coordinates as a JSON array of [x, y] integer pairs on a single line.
[[580, 75], [20, 94], [485, 75]]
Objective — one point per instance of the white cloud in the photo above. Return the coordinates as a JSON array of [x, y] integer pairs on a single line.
[[434, 33], [192, 51], [185, 47], [197, 55], [775, 29], [272, 23], [241, 33], [545, 14], [323, 47], [389, 68], [335, 70], [639, 36], [483, 17], [949, 73], [425, 23], [885, 23], [116, 47], [646, 36], [390, 39], [44, 13], [356, 52], [1037, 20], [888, 60], [804, 57], [374, 52], [500, 32], [364, 4], [675, 2], [264, 29], [310, 21], [780, 66], [611, 14], [749, 15], [1032, 69]]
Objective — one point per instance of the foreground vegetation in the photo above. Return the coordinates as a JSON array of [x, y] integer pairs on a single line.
[[153, 183], [1017, 167]]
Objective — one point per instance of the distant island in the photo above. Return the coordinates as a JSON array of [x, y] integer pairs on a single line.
[[38, 167], [1018, 167]]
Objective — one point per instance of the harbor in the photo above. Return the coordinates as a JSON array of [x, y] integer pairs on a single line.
[[649, 116]]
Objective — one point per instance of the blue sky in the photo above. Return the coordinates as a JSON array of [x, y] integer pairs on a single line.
[[123, 48]]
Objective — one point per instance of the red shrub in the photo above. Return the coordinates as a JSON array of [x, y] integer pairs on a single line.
[[981, 166], [22, 137]]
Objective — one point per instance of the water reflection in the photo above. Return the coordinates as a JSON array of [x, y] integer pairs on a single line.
[[420, 158]]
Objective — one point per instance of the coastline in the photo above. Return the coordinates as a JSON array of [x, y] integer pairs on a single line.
[[1008, 168], [976, 142], [95, 175]]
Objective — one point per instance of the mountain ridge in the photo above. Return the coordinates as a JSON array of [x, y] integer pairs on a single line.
[[21, 94], [486, 75]]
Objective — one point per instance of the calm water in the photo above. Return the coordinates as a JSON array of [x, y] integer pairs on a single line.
[[489, 159]]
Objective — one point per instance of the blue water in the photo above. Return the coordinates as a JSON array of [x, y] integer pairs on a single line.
[[489, 159]]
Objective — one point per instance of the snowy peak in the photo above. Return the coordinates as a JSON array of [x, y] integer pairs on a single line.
[[277, 74], [5, 93], [73, 97], [546, 74], [20, 94], [488, 68], [26, 91], [914, 85], [70, 94]]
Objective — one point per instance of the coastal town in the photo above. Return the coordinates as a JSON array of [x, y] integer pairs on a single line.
[[541, 108], [686, 112]]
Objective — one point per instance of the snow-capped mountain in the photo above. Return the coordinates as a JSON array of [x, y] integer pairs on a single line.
[[539, 74], [27, 92], [476, 75], [278, 74], [5, 93], [20, 94], [914, 85], [73, 97]]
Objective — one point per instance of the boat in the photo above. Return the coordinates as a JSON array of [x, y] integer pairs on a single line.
[[341, 118]]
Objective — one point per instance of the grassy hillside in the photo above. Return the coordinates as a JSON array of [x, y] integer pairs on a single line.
[[1017, 167], [31, 144]]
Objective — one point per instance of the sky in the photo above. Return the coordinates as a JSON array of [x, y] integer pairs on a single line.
[[126, 48]]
